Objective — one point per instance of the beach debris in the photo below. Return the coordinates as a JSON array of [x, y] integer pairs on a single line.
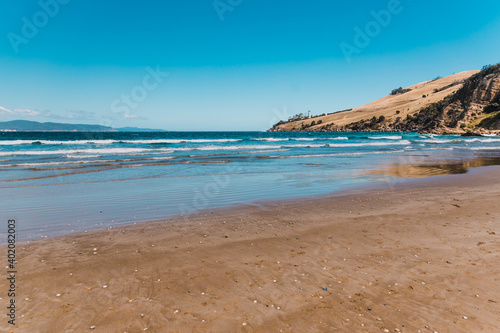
[[465, 317], [105, 286], [92, 327], [58, 295], [325, 288], [176, 311], [244, 324]]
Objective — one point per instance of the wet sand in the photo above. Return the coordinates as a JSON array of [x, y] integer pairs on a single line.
[[419, 255]]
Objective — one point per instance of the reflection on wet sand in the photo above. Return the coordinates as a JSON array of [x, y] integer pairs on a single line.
[[433, 168]]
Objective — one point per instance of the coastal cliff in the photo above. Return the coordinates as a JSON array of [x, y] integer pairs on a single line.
[[467, 102]]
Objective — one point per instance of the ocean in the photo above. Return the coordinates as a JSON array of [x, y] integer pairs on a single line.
[[56, 183]]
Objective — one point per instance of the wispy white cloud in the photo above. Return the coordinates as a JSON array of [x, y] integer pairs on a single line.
[[5, 111], [69, 114], [20, 112], [29, 113]]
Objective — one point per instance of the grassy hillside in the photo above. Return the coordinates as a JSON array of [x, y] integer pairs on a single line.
[[379, 115]]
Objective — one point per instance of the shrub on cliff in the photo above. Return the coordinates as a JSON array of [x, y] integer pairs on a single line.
[[399, 91]]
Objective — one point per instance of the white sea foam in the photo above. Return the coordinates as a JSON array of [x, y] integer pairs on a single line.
[[304, 145], [483, 140], [227, 147], [107, 142], [437, 141], [114, 151], [179, 141], [301, 139], [484, 148], [163, 158], [271, 139], [95, 152], [265, 151], [385, 137], [338, 154], [339, 145], [56, 163], [82, 156]]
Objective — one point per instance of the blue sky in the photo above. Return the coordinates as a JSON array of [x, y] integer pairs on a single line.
[[227, 64]]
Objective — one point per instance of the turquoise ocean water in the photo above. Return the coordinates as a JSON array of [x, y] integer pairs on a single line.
[[55, 183]]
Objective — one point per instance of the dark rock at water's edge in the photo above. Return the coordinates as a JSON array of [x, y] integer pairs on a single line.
[[471, 134]]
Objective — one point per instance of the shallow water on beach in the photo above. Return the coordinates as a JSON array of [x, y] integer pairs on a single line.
[[57, 183]]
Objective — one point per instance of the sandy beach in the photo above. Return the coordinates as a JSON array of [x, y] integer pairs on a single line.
[[414, 256]]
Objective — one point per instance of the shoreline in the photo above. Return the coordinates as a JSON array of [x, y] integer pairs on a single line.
[[45, 177], [407, 255]]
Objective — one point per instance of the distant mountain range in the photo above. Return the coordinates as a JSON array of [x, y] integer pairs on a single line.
[[34, 126]]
